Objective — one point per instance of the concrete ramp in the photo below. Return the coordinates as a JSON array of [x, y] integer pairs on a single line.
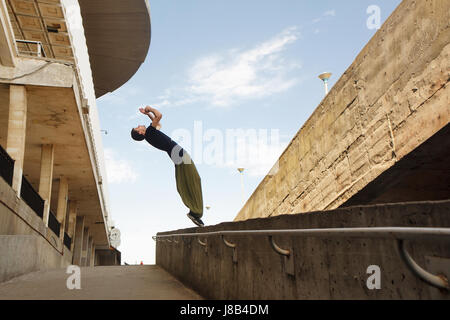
[[147, 282]]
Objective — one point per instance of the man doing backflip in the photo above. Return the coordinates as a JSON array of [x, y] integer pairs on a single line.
[[188, 181]]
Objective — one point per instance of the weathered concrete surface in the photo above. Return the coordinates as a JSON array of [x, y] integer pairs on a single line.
[[421, 175], [21, 254], [107, 257], [7, 50], [98, 283], [118, 37], [21, 230], [394, 97], [334, 268], [39, 72]]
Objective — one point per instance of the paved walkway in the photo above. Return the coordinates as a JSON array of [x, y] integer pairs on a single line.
[[148, 282]]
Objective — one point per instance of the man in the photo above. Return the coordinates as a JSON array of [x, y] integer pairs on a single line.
[[188, 181]]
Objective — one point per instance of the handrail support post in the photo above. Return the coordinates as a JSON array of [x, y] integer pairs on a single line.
[[288, 257]]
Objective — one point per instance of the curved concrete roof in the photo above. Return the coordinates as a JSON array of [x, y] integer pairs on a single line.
[[118, 38]]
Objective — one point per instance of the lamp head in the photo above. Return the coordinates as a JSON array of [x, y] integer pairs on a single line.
[[325, 76]]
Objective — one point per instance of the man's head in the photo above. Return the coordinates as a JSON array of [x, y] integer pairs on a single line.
[[138, 133]]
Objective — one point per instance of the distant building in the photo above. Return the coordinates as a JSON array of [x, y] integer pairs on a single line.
[[56, 58]]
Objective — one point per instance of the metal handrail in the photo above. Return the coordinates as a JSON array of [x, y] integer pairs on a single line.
[[403, 233], [40, 51], [67, 240], [277, 249], [227, 243], [395, 233], [437, 281], [6, 166], [53, 223], [31, 197]]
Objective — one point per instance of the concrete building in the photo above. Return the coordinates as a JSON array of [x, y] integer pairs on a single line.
[[56, 58], [357, 207]]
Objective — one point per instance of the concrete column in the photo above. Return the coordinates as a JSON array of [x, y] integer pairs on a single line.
[[89, 252], [7, 47], [92, 258], [72, 221], [17, 125], [46, 178], [78, 241], [61, 211], [84, 247]]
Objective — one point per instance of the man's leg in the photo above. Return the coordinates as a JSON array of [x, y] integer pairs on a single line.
[[189, 186]]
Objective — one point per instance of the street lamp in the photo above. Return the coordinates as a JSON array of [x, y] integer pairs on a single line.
[[325, 77], [241, 170]]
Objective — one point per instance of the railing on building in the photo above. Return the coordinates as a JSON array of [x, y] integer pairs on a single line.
[[67, 240], [39, 52], [31, 197], [53, 223], [6, 166]]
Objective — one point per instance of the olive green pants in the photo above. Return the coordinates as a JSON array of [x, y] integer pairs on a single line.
[[189, 185]]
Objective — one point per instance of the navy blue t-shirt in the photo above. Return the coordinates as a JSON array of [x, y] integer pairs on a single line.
[[161, 141]]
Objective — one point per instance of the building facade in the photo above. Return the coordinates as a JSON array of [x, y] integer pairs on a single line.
[[56, 58]]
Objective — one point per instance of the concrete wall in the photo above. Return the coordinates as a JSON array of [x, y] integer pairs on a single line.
[[392, 98], [333, 268], [107, 257], [26, 244], [21, 254]]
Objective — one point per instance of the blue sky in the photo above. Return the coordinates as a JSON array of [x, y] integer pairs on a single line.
[[218, 66]]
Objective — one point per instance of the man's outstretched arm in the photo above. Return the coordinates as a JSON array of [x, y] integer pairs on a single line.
[[153, 114]]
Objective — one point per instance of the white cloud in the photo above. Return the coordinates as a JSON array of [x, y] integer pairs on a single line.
[[118, 170], [226, 78], [328, 13]]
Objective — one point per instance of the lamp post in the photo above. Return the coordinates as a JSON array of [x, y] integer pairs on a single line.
[[325, 77], [241, 170]]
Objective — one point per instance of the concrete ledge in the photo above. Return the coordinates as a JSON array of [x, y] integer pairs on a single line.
[[26, 244], [38, 72], [324, 268], [16, 217]]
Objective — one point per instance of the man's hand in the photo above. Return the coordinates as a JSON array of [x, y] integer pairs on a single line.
[[145, 111], [153, 114]]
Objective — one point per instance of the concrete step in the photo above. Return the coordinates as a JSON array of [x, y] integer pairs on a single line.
[[148, 282]]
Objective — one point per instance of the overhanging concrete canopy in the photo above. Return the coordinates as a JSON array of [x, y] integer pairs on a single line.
[[118, 38], [53, 118]]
